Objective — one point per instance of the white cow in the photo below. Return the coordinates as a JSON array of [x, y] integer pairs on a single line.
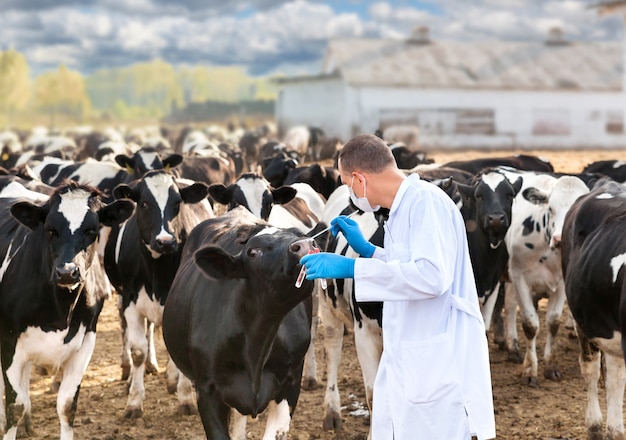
[[533, 242]]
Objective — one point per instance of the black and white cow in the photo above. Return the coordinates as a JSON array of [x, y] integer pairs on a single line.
[[141, 258], [533, 243], [237, 326], [407, 158], [339, 310], [486, 209], [593, 256], [49, 305], [615, 169], [147, 159], [520, 162], [295, 206]]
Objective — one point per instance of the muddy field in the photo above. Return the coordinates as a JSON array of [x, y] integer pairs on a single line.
[[554, 410]]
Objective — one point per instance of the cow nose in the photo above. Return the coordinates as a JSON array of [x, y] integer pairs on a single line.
[[166, 245], [67, 275], [302, 247], [497, 219]]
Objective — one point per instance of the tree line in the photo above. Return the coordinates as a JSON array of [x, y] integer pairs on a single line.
[[154, 89]]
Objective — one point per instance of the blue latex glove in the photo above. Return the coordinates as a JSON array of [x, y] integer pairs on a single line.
[[351, 230], [327, 265]]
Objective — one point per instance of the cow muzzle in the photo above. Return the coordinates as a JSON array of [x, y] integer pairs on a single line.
[[165, 244], [67, 275], [303, 247]]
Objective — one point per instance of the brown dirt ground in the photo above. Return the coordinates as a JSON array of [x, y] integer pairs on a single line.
[[554, 410]]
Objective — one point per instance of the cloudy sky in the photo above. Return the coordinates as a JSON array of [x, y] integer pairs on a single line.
[[267, 36]]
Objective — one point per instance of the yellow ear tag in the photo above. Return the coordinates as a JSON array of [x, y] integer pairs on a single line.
[[129, 170], [167, 168], [5, 156]]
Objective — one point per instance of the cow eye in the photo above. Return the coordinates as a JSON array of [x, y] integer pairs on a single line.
[[52, 233], [144, 205], [91, 234], [254, 252]]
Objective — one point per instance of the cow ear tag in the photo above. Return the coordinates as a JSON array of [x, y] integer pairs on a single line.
[[167, 168], [5, 156], [129, 170]]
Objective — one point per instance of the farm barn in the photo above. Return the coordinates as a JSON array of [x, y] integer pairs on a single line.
[[554, 93]]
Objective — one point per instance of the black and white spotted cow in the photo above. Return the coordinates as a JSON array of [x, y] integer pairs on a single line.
[[593, 256], [520, 162], [141, 258], [533, 243], [295, 206], [237, 326], [147, 159], [486, 209], [339, 310], [49, 304], [615, 169]]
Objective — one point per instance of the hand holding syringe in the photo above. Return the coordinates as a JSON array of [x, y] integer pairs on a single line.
[[302, 274]]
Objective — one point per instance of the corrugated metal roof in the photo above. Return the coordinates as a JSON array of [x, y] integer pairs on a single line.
[[478, 65]]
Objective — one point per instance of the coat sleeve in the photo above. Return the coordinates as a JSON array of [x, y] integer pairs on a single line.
[[429, 236]]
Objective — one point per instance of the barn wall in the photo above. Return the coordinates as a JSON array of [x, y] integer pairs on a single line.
[[475, 118], [315, 103]]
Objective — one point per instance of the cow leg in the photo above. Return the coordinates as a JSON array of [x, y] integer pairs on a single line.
[[73, 371], [278, 419], [368, 340], [152, 366], [136, 332], [530, 325], [171, 376], [553, 320], [333, 342], [237, 425], [125, 358], [590, 368], [510, 314], [614, 385], [309, 377], [488, 306], [18, 406], [186, 396], [497, 320], [213, 413]]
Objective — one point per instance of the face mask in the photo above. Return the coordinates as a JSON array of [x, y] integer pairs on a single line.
[[361, 202]]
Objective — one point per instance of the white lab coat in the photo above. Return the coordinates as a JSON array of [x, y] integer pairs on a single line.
[[434, 379]]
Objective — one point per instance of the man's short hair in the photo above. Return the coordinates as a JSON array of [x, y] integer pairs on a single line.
[[365, 152]]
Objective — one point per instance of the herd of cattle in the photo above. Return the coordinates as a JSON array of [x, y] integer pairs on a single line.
[[89, 212]]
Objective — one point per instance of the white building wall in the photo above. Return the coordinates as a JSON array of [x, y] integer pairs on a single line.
[[524, 119], [521, 119], [315, 103]]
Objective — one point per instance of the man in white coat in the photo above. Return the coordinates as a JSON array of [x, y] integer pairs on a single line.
[[433, 380]]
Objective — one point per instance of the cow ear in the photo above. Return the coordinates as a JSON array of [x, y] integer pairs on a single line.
[[172, 161], [28, 214], [283, 194], [194, 193], [218, 264], [535, 196], [220, 193], [123, 191], [125, 162], [117, 212], [517, 185], [466, 192]]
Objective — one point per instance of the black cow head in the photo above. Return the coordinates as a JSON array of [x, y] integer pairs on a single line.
[[269, 260], [147, 159], [70, 222], [252, 192], [158, 197], [487, 205]]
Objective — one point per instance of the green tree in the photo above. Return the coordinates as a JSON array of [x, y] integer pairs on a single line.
[[15, 85], [62, 92]]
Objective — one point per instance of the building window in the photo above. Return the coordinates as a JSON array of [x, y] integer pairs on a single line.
[[442, 121], [615, 122], [551, 122]]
